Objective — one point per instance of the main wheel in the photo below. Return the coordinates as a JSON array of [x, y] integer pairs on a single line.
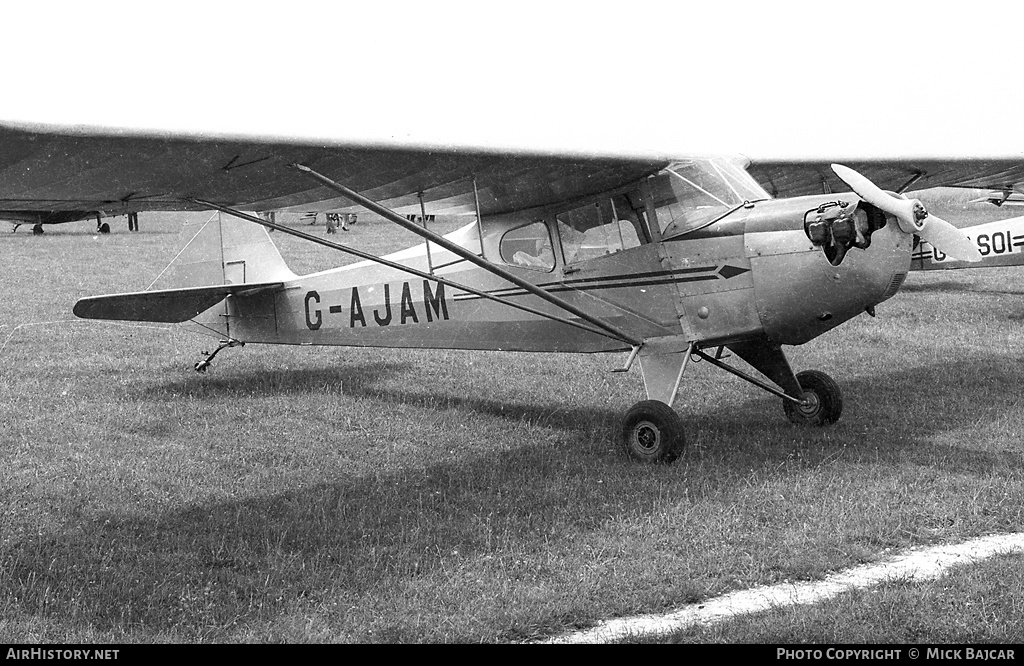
[[652, 433], [823, 400]]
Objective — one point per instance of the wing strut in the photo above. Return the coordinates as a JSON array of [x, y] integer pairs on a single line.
[[462, 252], [391, 264], [423, 217]]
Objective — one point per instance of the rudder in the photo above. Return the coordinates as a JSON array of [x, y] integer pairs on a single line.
[[223, 250]]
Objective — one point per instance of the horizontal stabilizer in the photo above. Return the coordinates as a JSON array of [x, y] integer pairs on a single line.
[[171, 306]]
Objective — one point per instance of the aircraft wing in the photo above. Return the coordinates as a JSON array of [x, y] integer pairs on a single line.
[[171, 306], [47, 169], [53, 169], [791, 178]]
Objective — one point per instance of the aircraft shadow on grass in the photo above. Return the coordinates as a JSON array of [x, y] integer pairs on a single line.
[[893, 402], [199, 571], [375, 381]]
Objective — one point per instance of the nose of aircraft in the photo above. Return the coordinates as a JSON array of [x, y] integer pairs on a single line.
[[912, 216], [854, 260]]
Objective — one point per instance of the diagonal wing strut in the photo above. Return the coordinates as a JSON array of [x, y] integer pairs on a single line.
[[472, 258], [391, 264]]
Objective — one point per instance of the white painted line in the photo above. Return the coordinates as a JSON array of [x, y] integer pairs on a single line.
[[922, 564]]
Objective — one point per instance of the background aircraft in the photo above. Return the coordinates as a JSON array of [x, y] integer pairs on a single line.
[[38, 219], [997, 198], [669, 259], [1000, 243]]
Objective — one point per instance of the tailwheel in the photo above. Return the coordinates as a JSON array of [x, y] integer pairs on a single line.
[[652, 433], [822, 400], [204, 365]]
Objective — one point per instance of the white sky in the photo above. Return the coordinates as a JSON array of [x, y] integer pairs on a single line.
[[763, 78]]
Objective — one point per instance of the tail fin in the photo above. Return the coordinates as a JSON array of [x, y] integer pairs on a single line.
[[221, 257], [223, 250]]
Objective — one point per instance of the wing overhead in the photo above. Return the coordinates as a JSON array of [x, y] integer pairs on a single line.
[[55, 169], [47, 168], [791, 178], [170, 306]]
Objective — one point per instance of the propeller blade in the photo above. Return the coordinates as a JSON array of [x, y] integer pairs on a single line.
[[912, 216], [902, 209], [864, 188], [950, 240]]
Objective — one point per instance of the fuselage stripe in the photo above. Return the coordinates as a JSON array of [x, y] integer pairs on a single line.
[[611, 284], [651, 274]]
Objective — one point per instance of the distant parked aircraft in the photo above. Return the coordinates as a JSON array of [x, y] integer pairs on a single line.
[[999, 243]]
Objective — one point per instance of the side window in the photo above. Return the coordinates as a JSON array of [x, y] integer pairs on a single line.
[[528, 246], [630, 208], [596, 230]]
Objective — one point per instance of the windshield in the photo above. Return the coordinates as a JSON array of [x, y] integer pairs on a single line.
[[690, 194]]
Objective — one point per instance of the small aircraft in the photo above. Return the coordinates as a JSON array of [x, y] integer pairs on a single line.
[[664, 258], [38, 219], [996, 198], [999, 243]]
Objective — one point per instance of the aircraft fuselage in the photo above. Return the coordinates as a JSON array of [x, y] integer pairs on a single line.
[[1000, 243], [757, 274]]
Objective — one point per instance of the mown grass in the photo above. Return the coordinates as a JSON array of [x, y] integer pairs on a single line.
[[339, 495]]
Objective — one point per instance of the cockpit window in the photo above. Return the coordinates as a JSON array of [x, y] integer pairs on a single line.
[[691, 194], [528, 246], [598, 229]]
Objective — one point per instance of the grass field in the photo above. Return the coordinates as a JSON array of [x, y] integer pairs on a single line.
[[370, 495]]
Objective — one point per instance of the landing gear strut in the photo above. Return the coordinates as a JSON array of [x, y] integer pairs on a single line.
[[652, 431], [809, 398], [202, 366]]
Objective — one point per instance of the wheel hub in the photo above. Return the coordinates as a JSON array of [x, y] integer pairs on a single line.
[[810, 404], [646, 435]]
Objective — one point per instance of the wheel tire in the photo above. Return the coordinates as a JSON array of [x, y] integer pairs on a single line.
[[652, 433], [826, 400]]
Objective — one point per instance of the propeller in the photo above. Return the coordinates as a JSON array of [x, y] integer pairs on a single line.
[[912, 216]]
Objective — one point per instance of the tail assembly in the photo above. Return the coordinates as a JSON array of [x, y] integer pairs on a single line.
[[221, 258], [1000, 243]]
